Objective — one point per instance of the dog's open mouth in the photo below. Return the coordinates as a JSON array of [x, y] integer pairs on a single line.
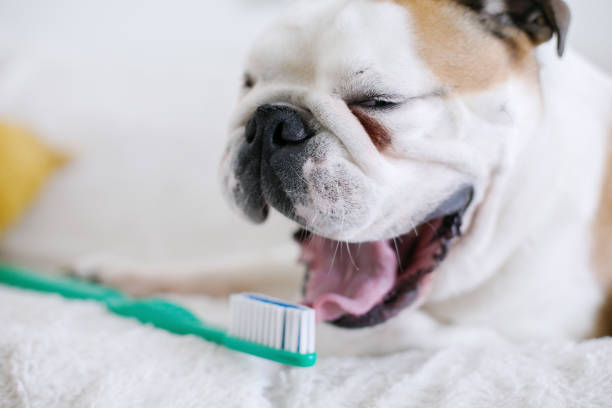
[[364, 284]]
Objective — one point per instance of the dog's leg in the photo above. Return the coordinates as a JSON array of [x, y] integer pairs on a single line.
[[601, 250], [136, 279]]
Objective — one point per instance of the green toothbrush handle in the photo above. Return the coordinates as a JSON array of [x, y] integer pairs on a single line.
[[157, 312], [165, 315], [63, 285], [280, 356]]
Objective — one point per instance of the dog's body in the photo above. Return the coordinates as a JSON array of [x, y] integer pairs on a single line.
[[364, 119], [541, 275]]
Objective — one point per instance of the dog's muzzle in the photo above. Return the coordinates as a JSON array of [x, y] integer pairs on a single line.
[[270, 159]]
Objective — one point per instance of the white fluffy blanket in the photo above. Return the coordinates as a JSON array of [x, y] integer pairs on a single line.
[[59, 353]]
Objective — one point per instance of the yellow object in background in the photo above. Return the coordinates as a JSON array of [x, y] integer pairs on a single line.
[[25, 164]]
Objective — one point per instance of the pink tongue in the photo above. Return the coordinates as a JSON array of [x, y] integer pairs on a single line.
[[347, 278]]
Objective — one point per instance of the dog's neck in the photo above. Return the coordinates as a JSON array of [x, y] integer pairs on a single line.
[[540, 215]]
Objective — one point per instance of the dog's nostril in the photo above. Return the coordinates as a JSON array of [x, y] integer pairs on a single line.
[[288, 132], [277, 136], [294, 134], [276, 127], [250, 130]]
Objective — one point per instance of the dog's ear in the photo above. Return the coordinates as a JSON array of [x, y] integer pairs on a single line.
[[540, 19]]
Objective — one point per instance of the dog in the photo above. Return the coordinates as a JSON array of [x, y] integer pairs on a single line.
[[445, 161]]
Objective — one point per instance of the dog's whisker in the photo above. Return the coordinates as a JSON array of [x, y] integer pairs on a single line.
[[348, 249], [399, 259], [314, 218], [338, 243], [331, 267], [414, 228]]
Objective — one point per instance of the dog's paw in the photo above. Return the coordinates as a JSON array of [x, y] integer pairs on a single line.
[[94, 268], [110, 271]]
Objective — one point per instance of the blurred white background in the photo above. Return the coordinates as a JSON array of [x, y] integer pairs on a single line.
[[140, 92]]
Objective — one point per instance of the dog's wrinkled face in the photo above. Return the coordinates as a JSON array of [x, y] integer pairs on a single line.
[[380, 127]]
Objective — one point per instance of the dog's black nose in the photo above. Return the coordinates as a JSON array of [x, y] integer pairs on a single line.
[[276, 126], [269, 162]]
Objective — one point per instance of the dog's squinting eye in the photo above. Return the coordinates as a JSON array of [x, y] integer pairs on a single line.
[[377, 103]]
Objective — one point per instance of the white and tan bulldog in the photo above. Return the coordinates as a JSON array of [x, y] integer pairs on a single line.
[[440, 163], [433, 157]]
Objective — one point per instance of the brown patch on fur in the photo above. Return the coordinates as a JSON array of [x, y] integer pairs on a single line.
[[602, 249], [465, 51], [377, 132], [603, 326]]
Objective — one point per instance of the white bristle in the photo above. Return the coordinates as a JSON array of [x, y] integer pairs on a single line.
[[277, 334], [272, 322]]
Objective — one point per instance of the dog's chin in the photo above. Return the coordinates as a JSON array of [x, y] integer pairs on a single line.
[[355, 285]]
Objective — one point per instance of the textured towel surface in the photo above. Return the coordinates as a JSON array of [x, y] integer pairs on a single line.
[[58, 353]]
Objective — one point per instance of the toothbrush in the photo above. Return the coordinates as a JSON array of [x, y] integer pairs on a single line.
[[260, 325]]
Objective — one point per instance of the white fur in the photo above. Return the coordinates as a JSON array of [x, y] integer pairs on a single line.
[[535, 160], [532, 271]]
